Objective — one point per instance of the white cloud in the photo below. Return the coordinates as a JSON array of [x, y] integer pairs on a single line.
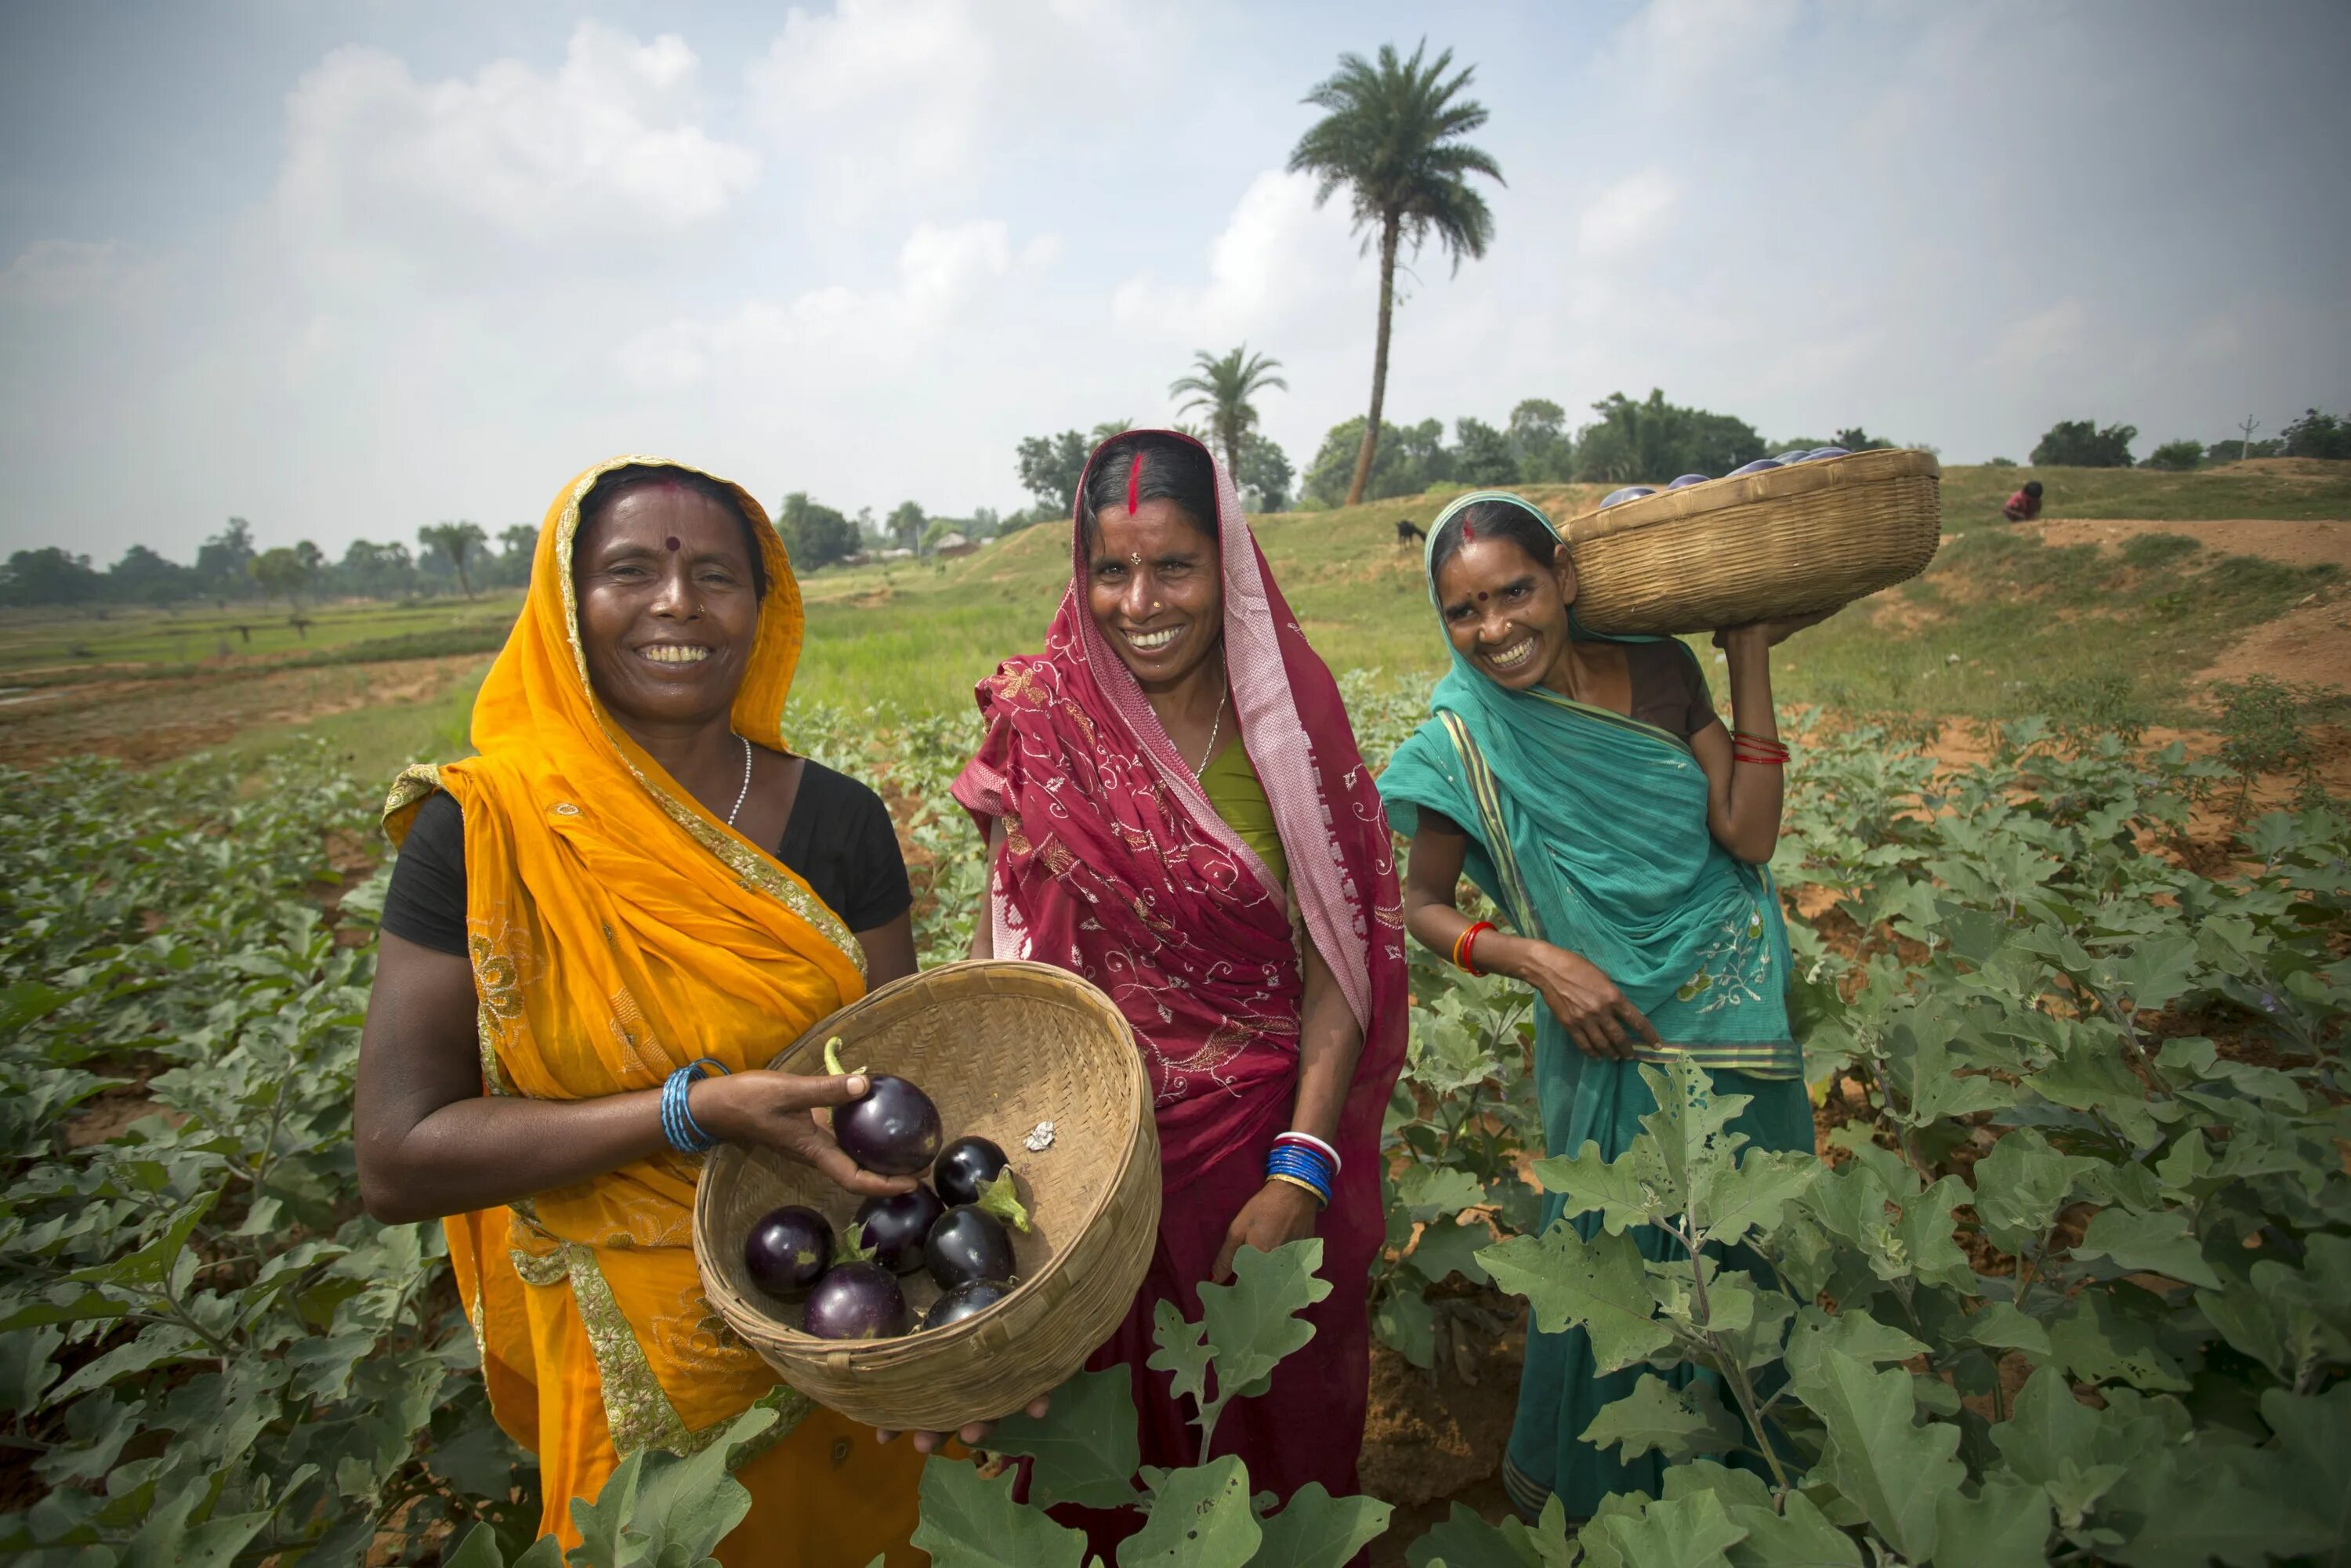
[[893, 90], [1278, 254], [836, 334], [605, 144], [1680, 48], [54, 273], [1627, 215]]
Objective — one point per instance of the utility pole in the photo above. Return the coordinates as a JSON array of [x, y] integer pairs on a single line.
[[2245, 447]]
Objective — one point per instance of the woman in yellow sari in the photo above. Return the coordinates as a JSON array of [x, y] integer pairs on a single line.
[[638, 869]]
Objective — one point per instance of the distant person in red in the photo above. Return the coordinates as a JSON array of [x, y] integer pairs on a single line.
[[2025, 504]]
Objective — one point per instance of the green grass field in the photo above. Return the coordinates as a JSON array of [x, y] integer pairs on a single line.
[[48, 643], [2001, 624]]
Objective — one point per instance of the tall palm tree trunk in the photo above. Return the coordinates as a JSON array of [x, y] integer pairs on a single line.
[[1389, 228]]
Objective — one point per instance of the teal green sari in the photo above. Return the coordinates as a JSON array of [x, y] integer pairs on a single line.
[[1588, 829]]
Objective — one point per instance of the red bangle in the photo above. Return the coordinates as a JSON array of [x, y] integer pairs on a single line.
[[1465, 942], [1765, 749]]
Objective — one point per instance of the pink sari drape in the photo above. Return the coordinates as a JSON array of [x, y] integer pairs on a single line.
[[1115, 867]]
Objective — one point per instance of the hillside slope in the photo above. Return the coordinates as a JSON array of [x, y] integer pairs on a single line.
[[2004, 616]]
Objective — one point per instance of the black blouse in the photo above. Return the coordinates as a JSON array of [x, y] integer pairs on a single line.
[[839, 840]]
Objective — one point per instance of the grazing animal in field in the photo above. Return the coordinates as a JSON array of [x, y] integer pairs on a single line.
[[1407, 534]]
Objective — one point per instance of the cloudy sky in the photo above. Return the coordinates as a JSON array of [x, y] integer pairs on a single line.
[[345, 268]]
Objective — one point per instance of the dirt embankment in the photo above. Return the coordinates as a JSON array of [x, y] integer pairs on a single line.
[[2310, 643]]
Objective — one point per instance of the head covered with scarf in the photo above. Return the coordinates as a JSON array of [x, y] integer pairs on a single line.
[[1588, 828], [1115, 866], [617, 931]]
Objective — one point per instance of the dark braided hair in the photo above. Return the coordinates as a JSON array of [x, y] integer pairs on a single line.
[[611, 486]]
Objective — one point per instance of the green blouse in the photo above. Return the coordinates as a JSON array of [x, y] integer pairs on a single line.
[[1231, 786]]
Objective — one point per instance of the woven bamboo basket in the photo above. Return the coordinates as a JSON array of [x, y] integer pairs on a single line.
[[999, 1046], [1787, 541]]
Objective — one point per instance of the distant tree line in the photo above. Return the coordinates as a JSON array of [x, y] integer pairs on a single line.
[[229, 567], [2084, 444]]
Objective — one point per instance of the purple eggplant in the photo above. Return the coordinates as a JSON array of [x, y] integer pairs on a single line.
[[892, 1129], [964, 1166], [970, 1297], [1629, 493], [857, 1301], [895, 1226], [968, 1244], [788, 1251], [1683, 482], [1760, 466]]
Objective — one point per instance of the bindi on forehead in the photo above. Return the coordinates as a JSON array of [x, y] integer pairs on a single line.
[[672, 542]]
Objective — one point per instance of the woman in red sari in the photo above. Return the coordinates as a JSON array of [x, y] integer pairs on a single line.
[[1176, 810]]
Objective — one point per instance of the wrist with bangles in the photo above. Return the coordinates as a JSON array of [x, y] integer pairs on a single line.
[[1303, 1160], [1465, 945], [684, 1133]]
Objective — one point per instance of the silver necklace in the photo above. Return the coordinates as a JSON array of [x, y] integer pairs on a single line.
[[744, 793], [1213, 730]]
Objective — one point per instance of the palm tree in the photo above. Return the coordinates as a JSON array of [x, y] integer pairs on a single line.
[[1222, 389], [456, 541], [1390, 136]]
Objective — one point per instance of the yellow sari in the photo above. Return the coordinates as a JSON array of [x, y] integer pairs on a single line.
[[618, 931]]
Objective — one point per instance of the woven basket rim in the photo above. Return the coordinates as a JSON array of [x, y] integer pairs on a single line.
[[1773, 484], [779, 1337]]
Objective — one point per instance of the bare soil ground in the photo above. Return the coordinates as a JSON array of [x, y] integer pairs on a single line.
[[2310, 643], [149, 721]]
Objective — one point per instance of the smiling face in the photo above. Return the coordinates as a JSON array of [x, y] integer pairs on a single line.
[[1506, 611], [668, 608], [1155, 589]]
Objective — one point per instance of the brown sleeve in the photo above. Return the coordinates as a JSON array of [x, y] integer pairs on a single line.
[[1701, 712]]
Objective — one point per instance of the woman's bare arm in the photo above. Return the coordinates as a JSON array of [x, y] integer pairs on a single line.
[[1598, 1016], [1329, 1043], [430, 1143], [1744, 798], [983, 922], [888, 951]]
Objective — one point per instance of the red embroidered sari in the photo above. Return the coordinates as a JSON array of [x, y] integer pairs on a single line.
[[1115, 867]]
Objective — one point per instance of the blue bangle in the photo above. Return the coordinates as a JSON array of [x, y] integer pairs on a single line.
[[684, 1133], [1307, 1166]]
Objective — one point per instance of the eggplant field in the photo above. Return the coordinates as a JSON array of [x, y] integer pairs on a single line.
[[2072, 1281]]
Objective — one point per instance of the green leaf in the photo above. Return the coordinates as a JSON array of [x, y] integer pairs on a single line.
[[1999, 1326], [168, 1541], [480, 1549], [2020, 1188], [2005, 1524], [27, 1365], [150, 1266], [2101, 1345], [1406, 1323], [1588, 1181], [1001, 1198], [2045, 1426], [1446, 1248], [1315, 1529], [1085, 1446], [1252, 1323], [1430, 1192], [1801, 1537], [1690, 1531], [1183, 1352], [1853, 1333], [1466, 1540], [2159, 1243], [658, 1508], [2314, 1464], [1876, 1454], [1200, 1518], [1601, 1286], [1675, 1422], [972, 1522]]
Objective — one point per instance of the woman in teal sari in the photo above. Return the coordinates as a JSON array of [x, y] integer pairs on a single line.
[[1586, 786]]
